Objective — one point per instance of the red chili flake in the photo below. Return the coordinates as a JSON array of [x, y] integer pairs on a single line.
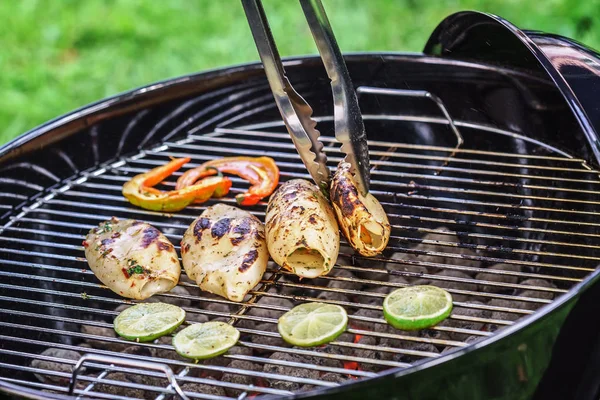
[[85, 244]]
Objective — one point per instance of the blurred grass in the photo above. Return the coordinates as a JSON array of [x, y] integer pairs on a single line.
[[57, 55]]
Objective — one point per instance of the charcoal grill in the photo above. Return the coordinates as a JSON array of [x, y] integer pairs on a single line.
[[485, 155]]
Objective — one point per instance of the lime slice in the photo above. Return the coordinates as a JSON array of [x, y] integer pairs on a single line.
[[207, 340], [417, 307], [145, 322], [312, 324]]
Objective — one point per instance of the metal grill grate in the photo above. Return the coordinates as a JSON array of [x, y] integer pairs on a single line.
[[505, 233]]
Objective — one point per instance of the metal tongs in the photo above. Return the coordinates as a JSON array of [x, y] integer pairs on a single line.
[[295, 111]]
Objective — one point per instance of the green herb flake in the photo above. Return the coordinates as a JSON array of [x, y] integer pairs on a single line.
[[137, 269]]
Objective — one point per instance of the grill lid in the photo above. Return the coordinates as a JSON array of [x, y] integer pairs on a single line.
[[572, 67]]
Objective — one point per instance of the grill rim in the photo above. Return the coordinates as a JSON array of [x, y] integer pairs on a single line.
[[112, 106]]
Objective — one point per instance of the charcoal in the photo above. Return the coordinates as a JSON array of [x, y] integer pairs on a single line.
[[104, 332], [205, 295], [370, 270], [399, 279], [282, 287], [472, 325], [422, 281], [306, 388], [203, 388], [537, 294], [369, 325], [470, 339], [509, 279], [322, 361], [140, 351], [267, 311], [142, 379], [375, 300], [196, 318], [333, 377], [218, 308], [421, 258], [337, 349], [432, 334], [118, 390], [240, 351], [220, 362], [55, 366], [289, 371], [343, 284], [448, 256], [414, 346], [194, 290], [408, 343], [451, 285], [122, 307], [371, 354], [181, 302], [333, 296], [507, 316], [238, 379], [463, 251], [461, 261], [267, 340], [410, 272]]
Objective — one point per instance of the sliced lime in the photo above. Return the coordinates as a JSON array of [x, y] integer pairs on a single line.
[[207, 340], [312, 324], [417, 307], [145, 322]]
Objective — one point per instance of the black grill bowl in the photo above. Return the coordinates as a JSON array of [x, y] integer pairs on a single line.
[[501, 103]]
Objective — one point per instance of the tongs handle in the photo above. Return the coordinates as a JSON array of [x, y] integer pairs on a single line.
[[349, 126], [265, 45], [295, 111]]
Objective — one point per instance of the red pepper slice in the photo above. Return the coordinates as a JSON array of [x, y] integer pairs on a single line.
[[261, 172], [139, 190]]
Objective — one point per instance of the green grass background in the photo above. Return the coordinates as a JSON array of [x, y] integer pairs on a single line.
[[57, 55]]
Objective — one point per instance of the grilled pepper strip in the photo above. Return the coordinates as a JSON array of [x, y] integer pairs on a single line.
[[139, 190], [261, 172]]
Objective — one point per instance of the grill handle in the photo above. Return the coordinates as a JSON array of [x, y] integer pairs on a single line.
[[127, 363]]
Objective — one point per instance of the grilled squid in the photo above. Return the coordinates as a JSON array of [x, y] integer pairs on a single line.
[[224, 251], [362, 219], [302, 233], [132, 258]]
